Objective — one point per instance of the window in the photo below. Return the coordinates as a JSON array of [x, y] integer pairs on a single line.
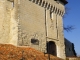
[[12, 2], [51, 15], [35, 41]]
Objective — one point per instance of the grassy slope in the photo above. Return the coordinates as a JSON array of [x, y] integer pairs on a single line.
[[10, 52]]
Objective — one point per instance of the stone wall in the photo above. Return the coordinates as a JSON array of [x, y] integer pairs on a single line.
[[32, 23], [5, 16], [70, 51], [38, 26], [8, 22]]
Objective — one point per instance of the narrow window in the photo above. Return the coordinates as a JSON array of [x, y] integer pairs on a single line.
[[12, 4], [51, 15]]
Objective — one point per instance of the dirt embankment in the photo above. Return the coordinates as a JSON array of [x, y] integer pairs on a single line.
[[10, 52]]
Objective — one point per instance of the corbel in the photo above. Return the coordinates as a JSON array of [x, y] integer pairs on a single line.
[[43, 3], [40, 2]]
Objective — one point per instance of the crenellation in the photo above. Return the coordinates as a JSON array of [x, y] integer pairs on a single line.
[[49, 6], [43, 4], [62, 13], [58, 11], [37, 1], [46, 4]]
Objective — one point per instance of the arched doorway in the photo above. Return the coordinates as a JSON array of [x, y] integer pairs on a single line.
[[51, 48]]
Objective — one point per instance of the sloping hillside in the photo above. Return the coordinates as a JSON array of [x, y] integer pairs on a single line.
[[10, 52]]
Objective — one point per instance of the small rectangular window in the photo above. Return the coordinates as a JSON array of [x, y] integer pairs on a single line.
[[35, 41]]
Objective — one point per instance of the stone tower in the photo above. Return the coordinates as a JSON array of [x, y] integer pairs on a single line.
[[35, 23]]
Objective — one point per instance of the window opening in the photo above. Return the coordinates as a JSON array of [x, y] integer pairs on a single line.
[[35, 41], [51, 15], [12, 4]]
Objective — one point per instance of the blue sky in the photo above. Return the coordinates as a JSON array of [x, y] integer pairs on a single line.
[[73, 18]]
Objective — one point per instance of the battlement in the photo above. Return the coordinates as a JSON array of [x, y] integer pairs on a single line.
[[49, 6]]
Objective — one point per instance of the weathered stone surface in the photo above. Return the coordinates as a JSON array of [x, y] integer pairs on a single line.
[[34, 23]]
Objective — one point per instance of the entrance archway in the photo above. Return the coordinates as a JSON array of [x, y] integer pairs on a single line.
[[51, 48]]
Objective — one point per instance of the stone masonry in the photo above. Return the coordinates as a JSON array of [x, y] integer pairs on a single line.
[[35, 23]]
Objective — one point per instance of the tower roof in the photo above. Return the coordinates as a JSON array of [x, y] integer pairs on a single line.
[[64, 1]]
